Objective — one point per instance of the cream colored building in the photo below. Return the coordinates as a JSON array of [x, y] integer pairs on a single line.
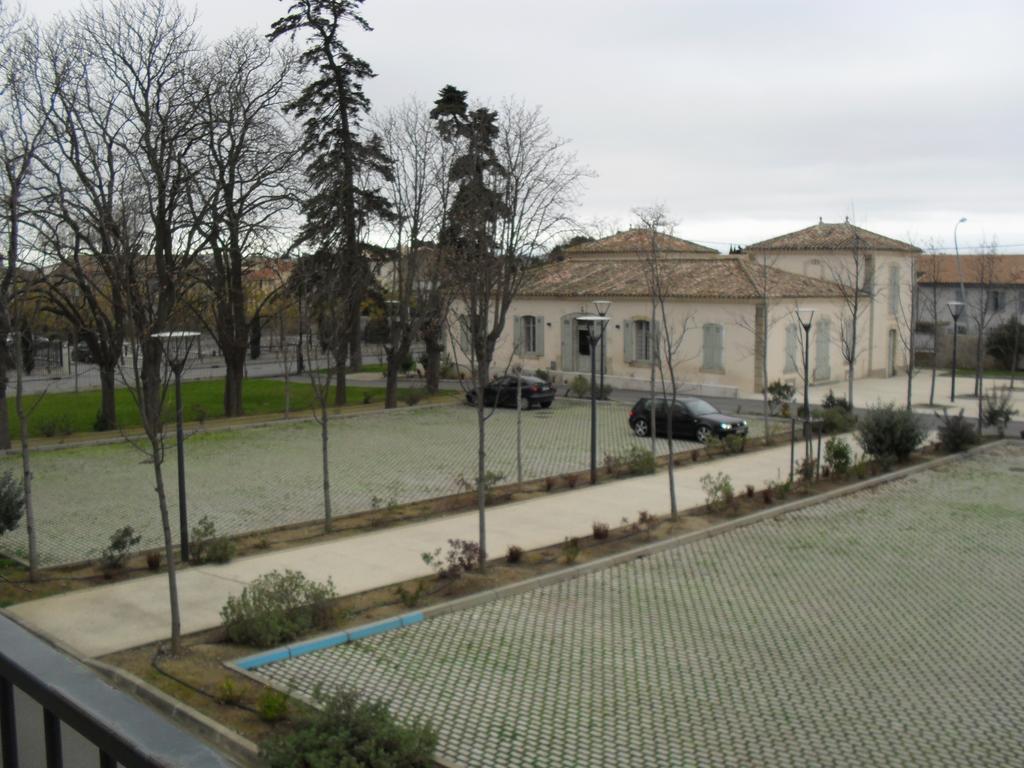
[[716, 308]]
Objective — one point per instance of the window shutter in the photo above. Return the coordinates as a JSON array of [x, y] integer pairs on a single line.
[[517, 335], [540, 336], [719, 348], [567, 340], [791, 349], [628, 341], [706, 361], [656, 343]]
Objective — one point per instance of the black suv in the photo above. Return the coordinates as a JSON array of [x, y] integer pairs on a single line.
[[502, 391], [691, 418]]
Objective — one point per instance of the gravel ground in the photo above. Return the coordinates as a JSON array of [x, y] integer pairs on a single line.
[[882, 628], [253, 479]]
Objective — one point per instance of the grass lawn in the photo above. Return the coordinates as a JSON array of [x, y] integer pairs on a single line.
[[994, 373], [63, 413]]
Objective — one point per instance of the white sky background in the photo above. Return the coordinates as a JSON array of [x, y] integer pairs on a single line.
[[746, 118]]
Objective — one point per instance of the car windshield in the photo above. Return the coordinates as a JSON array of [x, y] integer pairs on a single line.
[[700, 407]]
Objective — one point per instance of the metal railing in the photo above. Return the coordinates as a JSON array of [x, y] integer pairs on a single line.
[[120, 729]]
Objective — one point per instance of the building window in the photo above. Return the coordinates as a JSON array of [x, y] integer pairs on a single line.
[[997, 300], [713, 358], [643, 349], [529, 335]]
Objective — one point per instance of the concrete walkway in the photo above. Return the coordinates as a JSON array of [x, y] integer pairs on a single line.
[[102, 620]]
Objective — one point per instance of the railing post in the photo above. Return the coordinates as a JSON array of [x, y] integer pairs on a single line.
[[51, 735], [8, 732]]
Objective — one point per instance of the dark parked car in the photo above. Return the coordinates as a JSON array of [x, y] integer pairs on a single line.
[[691, 418], [502, 391]]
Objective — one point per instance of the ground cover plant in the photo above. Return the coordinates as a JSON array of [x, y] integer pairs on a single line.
[[890, 434], [278, 607], [64, 413]]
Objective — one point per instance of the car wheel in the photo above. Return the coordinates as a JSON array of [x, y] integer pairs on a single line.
[[471, 398], [641, 428], [546, 405], [703, 434]]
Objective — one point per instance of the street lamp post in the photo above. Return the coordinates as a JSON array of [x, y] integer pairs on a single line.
[[806, 316], [600, 322], [176, 346], [955, 308]]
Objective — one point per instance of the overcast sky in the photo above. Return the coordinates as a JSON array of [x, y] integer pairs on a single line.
[[746, 118]]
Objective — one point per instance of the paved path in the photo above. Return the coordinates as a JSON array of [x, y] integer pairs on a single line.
[[114, 617], [879, 628]]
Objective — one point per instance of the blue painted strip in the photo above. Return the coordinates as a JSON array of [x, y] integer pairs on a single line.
[[339, 638], [251, 662], [330, 641]]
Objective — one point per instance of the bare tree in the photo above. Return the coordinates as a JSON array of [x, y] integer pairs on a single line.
[[982, 279], [148, 50], [760, 326], [853, 273], [927, 304], [418, 191], [247, 161], [906, 326], [668, 336]]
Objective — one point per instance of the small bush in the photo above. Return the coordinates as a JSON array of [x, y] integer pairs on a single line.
[[601, 530], [228, 693], [205, 546], [412, 397], [346, 730], [779, 397], [635, 460], [579, 387], [367, 398], [887, 433], [199, 413], [838, 456], [514, 554], [12, 502], [831, 401], [544, 374], [957, 433], [835, 420], [805, 469], [750, 491], [153, 561], [718, 491], [122, 541], [462, 556], [272, 706], [768, 494], [572, 479], [59, 425], [278, 607], [410, 598], [998, 410], [570, 550], [695, 455], [734, 444]]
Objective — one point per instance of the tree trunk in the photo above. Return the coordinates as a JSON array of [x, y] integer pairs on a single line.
[[325, 464], [26, 475], [355, 344], [341, 390], [391, 383], [165, 520], [432, 374], [5, 422], [108, 402], [234, 376], [481, 469], [1016, 350]]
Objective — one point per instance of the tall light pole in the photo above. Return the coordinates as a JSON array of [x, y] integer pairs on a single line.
[[955, 308], [601, 305], [599, 322], [176, 345], [806, 316]]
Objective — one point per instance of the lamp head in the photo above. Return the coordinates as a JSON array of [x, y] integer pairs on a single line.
[[955, 308], [601, 305], [176, 345], [805, 315], [962, 220]]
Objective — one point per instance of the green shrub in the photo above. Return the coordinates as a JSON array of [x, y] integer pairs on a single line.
[[889, 434], [205, 546], [100, 423], [514, 554], [543, 373], [998, 410], [838, 456], [410, 598], [12, 502], [579, 387], [346, 730], [718, 491], [272, 706], [228, 693], [601, 530], [276, 608], [58, 425], [570, 550], [462, 556], [957, 433], [635, 460], [835, 420], [779, 397], [412, 396], [113, 556], [831, 401]]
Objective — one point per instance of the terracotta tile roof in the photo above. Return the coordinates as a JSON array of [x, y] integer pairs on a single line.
[[826, 236], [1007, 269], [724, 277], [636, 241]]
